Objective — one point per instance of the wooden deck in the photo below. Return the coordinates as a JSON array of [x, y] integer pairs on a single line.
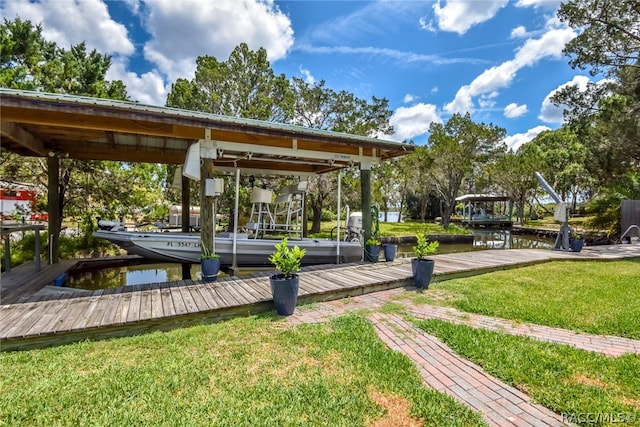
[[54, 315]]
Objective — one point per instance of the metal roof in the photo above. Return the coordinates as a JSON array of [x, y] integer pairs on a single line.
[[44, 124]]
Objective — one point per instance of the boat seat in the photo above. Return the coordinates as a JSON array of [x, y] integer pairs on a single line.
[[261, 219]]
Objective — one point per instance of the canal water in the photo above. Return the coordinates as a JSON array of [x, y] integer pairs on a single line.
[[166, 272]]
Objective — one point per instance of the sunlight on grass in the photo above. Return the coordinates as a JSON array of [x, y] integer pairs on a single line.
[[562, 378], [248, 371], [596, 297]]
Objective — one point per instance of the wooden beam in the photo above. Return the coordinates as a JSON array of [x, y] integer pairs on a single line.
[[20, 136]]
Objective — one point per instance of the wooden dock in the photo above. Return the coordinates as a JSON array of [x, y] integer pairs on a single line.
[[56, 315]]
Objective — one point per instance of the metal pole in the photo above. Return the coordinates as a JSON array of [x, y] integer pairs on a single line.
[[339, 218], [37, 230], [234, 263]]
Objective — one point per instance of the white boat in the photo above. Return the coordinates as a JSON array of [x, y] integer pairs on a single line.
[[185, 247]]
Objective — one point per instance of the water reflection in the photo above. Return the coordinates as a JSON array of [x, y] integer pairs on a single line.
[[166, 272]]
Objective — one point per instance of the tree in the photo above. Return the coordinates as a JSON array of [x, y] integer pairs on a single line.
[[320, 107], [515, 174], [564, 160], [605, 116], [30, 62], [455, 148], [610, 36], [243, 86], [415, 181]]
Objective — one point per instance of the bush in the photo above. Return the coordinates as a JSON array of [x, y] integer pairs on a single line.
[[327, 215]]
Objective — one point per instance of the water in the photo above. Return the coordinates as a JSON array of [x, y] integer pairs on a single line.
[[166, 272]]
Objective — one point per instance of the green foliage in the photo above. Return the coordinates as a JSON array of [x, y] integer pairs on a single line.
[[373, 242], [423, 247], [243, 86], [606, 207], [605, 114], [30, 62], [328, 215], [457, 148], [287, 260], [207, 253]]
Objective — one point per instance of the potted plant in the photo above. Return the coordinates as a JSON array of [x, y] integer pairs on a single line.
[[576, 242], [209, 264], [422, 267], [390, 250], [372, 249], [284, 286]]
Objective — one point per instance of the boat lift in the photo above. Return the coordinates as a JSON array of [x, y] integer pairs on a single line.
[[561, 215]]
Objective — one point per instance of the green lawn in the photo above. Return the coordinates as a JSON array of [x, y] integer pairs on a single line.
[[248, 371], [591, 296], [564, 379]]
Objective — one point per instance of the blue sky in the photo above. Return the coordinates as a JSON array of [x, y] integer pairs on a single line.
[[499, 60]]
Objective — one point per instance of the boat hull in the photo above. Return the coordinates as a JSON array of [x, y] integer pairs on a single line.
[[185, 247]]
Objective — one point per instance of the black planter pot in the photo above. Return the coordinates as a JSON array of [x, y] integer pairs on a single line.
[[371, 253], [422, 272], [210, 269], [285, 293], [389, 251]]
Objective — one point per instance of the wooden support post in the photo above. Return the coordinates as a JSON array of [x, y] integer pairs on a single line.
[[207, 221], [53, 207], [7, 253], [365, 190], [186, 205]]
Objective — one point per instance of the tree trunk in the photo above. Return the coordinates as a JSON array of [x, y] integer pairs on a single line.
[[316, 207]]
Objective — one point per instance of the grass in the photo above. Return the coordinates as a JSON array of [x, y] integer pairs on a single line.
[[408, 228], [590, 296], [564, 379], [248, 371]]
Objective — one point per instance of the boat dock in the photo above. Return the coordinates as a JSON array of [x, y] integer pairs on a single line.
[[57, 315]]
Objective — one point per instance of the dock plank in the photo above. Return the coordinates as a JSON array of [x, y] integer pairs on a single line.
[[57, 317], [122, 312], [133, 314], [178, 302], [157, 310], [108, 318], [75, 309]]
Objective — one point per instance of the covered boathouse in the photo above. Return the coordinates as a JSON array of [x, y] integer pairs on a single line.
[[486, 210]]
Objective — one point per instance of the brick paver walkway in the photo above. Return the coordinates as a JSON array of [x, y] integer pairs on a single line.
[[608, 345], [443, 370], [500, 404]]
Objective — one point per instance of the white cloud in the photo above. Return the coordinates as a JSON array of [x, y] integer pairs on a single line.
[[149, 88], [550, 45], [408, 98], [460, 15], [409, 122], [514, 110], [519, 32], [306, 74], [551, 113], [69, 22], [515, 141], [426, 25], [183, 30], [547, 4]]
